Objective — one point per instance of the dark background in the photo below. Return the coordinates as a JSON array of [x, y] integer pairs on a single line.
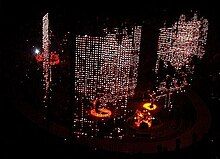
[[20, 20]]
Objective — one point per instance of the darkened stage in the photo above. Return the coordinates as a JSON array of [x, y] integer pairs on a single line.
[[141, 84]]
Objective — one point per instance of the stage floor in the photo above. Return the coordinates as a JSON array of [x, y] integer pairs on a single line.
[[168, 137]]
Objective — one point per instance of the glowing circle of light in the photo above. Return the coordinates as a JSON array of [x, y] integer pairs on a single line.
[[148, 106], [103, 113]]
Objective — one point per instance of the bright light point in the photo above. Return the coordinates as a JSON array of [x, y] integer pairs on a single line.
[[37, 51], [149, 106]]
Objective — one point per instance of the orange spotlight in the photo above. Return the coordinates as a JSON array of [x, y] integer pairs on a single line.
[[102, 113]]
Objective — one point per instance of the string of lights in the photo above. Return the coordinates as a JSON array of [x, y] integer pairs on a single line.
[[177, 45], [106, 69], [46, 59]]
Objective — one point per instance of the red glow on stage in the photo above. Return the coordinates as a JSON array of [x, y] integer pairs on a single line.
[[54, 58], [39, 57]]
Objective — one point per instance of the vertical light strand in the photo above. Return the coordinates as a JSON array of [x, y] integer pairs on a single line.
[[46, 59]]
